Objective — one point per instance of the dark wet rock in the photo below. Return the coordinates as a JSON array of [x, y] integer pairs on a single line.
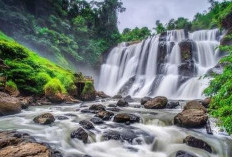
[[206, 102], [156, 103], [96, 120], [194, 105], [186, 48], [26, 102], [122, 103], [80, 134], [9, 105], [145, 100], [111, 135], [191, 118], [112, 105], [89, 111], [114, 109], [19, 144], [70, 115], [124, 117], [97, 107], [184, 154], [101, 94], [86, 124], [172, 104], [117, 97], [128, 99], [105, 115], [127, 86], [62, 118], [44, 119], [197, 143], [187, 69]]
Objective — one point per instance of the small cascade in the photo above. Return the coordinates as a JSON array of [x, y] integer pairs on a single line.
[[169, 64]]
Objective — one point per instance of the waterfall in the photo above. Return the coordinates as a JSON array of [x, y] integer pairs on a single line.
[[170, 64]]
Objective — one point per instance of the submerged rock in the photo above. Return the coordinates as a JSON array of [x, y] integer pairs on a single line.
[[172, 104], [105, 115], [9, 105], [46, 118], [197, 143], [184, 154], [191, 118], [16, 144], [80, 134], [86, 124], [97, 107], [62, 118], [125, 118], [117, 97], [122, 103], [96, 120], [128, 99], [156, 103]]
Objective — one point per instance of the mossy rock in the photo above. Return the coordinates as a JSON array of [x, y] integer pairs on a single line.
[[88, 93]]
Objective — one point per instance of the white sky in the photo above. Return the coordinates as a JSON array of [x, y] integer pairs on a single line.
[[140, 13]]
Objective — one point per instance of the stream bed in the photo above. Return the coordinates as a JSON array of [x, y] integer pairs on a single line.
[[154, 136]]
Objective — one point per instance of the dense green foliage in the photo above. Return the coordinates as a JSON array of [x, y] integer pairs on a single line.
[[66, 31], [88, 88], [220, 88], [11, 85], [135, 34], [54, 86], [207, 20], [30, 72]]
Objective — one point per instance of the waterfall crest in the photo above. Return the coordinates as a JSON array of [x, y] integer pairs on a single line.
[[169, 64]]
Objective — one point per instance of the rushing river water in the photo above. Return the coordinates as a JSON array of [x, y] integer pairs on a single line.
[[154, 136]]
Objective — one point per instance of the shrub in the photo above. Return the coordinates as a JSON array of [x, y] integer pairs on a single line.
[[53, 87], [89, 88]]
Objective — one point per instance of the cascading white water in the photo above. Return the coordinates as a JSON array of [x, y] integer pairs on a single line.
[[158, 65]]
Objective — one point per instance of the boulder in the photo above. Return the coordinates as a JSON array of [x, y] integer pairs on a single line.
[[18, 144], [86, 124], [197, 143], [144, 100], [55, 98], [12, 91], [105, 115], [44, 119], [102, 95], [80, 134], [26, 102], [96, 120], [122, 103], [97, 107], [156, 103], [184, 154], [191, 118], [9, 105], [194, 105], [125, 118]]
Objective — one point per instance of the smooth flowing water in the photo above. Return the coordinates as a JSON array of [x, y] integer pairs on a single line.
[[154, 136], [155, 66]]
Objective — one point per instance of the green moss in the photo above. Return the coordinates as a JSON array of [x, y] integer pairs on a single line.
[[54, 86], [89, 88], [11, 85], [29, 71]]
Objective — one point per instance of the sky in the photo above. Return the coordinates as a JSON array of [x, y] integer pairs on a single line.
[[140, 13]]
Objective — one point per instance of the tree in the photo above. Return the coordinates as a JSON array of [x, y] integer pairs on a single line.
[[159, 27]]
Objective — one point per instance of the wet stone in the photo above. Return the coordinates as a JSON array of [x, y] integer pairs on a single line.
[[62, 118], [80, 134], [86, 124], [96, 120]]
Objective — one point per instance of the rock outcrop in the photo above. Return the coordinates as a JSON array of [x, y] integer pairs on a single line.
[[16, 144], [9, 105], [197, 143]]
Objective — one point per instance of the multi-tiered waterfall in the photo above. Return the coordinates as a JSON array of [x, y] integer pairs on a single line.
[[170, 64]]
